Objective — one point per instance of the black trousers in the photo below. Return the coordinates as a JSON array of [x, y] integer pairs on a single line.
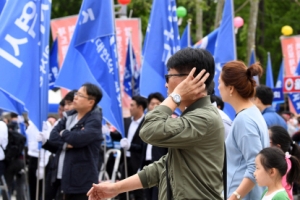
[[14, 174], [32, 167], [75, 197], [133, 195]]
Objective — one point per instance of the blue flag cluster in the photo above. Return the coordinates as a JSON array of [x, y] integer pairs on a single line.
[[53, 66], [92, 57], [131, 75], [161, 42], [24, 55]]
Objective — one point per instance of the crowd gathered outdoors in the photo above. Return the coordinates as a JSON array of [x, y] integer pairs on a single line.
[[201, 154]]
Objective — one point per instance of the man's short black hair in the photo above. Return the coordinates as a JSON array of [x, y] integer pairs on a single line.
[[70, 96], [140, 101], [156, 95], [94, 92], [186, 59], [219, 102], [265, 94], [13, 115], [62, 103]]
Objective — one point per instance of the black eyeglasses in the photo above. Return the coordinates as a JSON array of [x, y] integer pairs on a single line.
[[81, 95], [167, 76]]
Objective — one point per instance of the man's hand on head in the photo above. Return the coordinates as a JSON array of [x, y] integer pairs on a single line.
[[192, 88]]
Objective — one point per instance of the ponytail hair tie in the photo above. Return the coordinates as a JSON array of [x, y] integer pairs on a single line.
[[287, 155]]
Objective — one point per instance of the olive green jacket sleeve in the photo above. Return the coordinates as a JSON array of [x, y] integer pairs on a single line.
[[160, 129], [150, 175]]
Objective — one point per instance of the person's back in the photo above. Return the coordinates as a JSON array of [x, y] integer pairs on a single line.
[[198, 161], [263, 100]]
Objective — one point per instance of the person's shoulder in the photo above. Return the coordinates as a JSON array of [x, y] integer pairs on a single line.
[[282, 195]]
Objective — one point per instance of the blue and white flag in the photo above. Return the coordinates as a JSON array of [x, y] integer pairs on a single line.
[[251, 62], [2, 3], [295, 97], [208, 42], [161, 42], [225, 50], [92, 57], [24, 55], [127, 83], [278, 86], [186, 39], [269, 73], [131, 75], [7, 103], [53, 67]]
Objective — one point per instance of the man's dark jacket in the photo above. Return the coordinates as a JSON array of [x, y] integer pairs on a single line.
[[80, 168], [136, 146]]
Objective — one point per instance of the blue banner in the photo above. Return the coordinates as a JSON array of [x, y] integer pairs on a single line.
[[161, 42], [269, 73], [24, 55], [225, 50], [53, 67], [208, 42], [186, 39], [92, 57]]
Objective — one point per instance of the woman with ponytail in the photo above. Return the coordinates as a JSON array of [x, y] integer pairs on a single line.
[[280, 138], [271, 167], [249, 132]]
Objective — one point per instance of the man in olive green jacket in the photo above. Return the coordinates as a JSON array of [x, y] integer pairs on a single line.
[[195, 139]]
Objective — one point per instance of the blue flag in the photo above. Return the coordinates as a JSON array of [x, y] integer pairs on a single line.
[[131, 75], [92, 57], [127, 83], [278, 85], [295, 97], [269, 73], [24, 37], [251, 62], [53, 67], [7, 103], [161, 42], [225, 50], [208, 42], [2, 3], [186, 39]]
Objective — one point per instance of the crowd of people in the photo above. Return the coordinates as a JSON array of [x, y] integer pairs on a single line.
[[201, 154]]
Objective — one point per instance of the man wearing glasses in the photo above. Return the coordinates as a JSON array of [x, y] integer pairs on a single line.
[[193, 167], [77, 139]]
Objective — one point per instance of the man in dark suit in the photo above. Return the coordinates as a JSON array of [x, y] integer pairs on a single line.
[[132, 141]]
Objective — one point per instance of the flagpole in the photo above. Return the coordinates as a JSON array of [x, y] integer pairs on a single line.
[[189, 32], [124, 151]]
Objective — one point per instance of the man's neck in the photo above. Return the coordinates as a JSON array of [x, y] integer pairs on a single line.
[[137, 117], [82, 113], [263, 107]]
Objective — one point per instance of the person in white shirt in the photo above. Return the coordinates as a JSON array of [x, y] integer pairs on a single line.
[[3, 143], [132, 141], [217, 101]]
